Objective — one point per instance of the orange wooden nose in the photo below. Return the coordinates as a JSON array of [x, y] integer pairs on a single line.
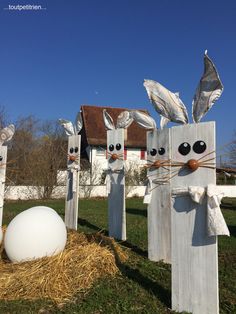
[[114, 156], [157, 164], [72, 158], [193, 164]]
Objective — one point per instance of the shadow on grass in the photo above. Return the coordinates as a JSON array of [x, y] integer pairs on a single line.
[[163, 294], [86, 223], [135, 211], [232, 230], [135, 248], [228, 206], [134, 274]]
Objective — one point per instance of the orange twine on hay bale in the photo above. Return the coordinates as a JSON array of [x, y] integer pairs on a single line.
[[59, 278]]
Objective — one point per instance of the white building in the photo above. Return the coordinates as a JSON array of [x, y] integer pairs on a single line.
[[94, 138]]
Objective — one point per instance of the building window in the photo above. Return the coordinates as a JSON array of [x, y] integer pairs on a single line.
[[142, 154]]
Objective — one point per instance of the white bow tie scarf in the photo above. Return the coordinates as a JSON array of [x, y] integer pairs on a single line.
[[216, 224]]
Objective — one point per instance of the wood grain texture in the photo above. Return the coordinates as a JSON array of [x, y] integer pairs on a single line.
[[116, 207], [194, 254], [159, 209], [3, 155], [116, 197], [72, 187]]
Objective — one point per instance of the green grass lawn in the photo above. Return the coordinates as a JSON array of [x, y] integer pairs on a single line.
[[142, 286]]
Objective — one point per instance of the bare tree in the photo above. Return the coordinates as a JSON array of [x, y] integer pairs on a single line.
[[38, 152], [232, 152], [89, 178], [48, 158], [3, 117], [134, 175], [20, 153]]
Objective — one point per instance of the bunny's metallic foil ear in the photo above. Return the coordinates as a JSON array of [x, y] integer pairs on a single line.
[[143, 120], [68, 127], [208, 91], [78, 123], [7, 133], [166, 103], [108, 121], [124, 120], [163, 122]]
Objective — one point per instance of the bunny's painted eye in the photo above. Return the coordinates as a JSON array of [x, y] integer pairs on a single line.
[[161, 151], [1, 158], [111, 147], [76, 149], [184, 148], [118, 146], [71, 150], [153, 152], [199, 147]]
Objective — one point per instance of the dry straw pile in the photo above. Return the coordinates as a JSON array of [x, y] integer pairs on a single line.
[[59, 278]]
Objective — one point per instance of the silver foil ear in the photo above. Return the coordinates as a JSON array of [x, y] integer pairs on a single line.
[[78, 123], [7, 133], [143, 120], [108, 121], [208, 91], [167, 104], [68, 127], [124, 120], [163, 122]]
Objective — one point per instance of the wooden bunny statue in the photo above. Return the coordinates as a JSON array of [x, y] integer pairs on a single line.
[[115, 178], [73, 167], [6, 135], [196, 218], [157, 194]]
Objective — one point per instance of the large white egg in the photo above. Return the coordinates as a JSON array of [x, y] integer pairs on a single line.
[[36, 232]]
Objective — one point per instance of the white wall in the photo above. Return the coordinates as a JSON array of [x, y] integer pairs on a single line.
[[31, 192], [229, 190]]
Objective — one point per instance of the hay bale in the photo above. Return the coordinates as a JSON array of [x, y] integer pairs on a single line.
[[60, 277]]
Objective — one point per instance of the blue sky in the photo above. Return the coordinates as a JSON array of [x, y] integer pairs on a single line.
[[98, 52]]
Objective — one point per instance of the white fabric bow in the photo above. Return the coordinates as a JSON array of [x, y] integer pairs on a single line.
[[216, 224], [148, 192], [149, 187], [74, 170], [108, 183], [1, 193]]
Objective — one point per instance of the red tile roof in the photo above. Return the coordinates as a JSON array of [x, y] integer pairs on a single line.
[[95, 131]]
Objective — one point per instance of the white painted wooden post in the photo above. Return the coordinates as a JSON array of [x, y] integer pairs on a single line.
[[72, 187], [193, 253], [159, 208], [115, 179], [196, 219], [116, 195], [6, 135], [3, 160], [73, 167], [157, 194]]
